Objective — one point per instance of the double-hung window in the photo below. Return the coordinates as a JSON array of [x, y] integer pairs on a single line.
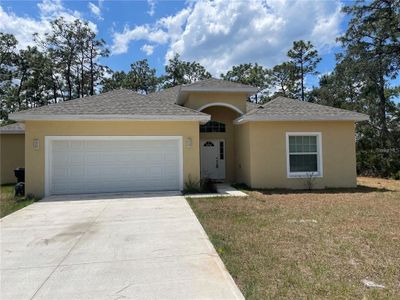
[[304, 154]]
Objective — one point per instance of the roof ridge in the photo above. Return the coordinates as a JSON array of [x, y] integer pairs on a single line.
[[260, 106], [189, 109], [272, 101], [163, 90], [92, 97], [201, 80], [218, 80]]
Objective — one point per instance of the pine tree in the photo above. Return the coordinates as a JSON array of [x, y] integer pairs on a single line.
[[305, 58]]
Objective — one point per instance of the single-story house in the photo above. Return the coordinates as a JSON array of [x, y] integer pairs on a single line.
[[123, 141], [12, 151]]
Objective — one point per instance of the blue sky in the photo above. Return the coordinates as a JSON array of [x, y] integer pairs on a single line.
[[218, 34]]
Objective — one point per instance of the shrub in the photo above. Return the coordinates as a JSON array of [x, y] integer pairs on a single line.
[[191, 186], [205, 185], [309, 181]]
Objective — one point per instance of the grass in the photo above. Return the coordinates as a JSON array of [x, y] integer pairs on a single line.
[[318, 244], [9, 203]]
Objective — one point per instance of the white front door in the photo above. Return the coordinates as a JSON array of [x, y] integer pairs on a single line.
[[212, 159]]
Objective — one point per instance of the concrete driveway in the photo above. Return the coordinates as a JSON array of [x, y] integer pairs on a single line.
[[110, 247]]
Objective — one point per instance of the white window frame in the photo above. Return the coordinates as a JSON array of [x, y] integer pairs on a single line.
[[319, 173]]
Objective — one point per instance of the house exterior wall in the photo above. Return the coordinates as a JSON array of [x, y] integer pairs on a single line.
[[226, 116], [242, 164], [35, 159], [12, 156], [268, 165], [197, 100]]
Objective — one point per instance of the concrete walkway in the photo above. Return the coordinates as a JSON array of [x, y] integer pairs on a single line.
[[138, 246], [223, 190]]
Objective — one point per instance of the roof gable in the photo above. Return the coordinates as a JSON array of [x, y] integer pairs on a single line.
[[214, 85]]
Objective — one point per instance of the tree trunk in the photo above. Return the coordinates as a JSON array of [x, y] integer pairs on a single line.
[[69, 81], [382, 99], [302, 82], [20, 89], [60, 88], [91, 72], [54, 91], [82, 76], [78, 85], [382, 111]]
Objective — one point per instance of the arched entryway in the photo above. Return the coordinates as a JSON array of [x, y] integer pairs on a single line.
[[217, 143]]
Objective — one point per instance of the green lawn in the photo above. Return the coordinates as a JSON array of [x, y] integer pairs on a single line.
[[9, 203], [309, 245]]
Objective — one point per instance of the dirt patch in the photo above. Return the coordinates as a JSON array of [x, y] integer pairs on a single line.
[[72, 232]]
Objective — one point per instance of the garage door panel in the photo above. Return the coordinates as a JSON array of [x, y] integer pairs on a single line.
[[77, 145], [92, 166], [60, 145]]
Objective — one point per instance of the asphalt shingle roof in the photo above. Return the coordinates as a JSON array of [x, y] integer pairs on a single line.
[[12, 128], [117, 102], [217, 84], [251, 105], [169, 95], [123, 103], [282, 108]]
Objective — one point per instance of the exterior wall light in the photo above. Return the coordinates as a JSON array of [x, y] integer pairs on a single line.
[[36, 144], [188, 142]]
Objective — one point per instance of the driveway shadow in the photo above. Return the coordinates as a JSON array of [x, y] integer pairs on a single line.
[[111, 196]]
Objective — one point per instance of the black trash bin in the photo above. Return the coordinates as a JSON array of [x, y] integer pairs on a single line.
[[20, 174], [20, 189]]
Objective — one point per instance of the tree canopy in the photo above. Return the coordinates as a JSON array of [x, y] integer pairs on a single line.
[[178, 72], [304, 58]]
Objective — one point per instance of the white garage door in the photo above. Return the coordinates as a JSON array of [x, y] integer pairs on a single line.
[[117, 164]]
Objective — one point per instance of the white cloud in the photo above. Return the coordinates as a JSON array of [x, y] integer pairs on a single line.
[[24, 27], [223, 33], [148, 49], [121, 40], [95, 10], [49, 7], [152, 7], [163, 31]]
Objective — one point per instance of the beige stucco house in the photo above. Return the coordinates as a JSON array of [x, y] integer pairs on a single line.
[[122, 141], [12, 151]]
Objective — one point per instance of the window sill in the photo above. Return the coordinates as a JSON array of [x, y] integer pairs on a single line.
[[304, 175]]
